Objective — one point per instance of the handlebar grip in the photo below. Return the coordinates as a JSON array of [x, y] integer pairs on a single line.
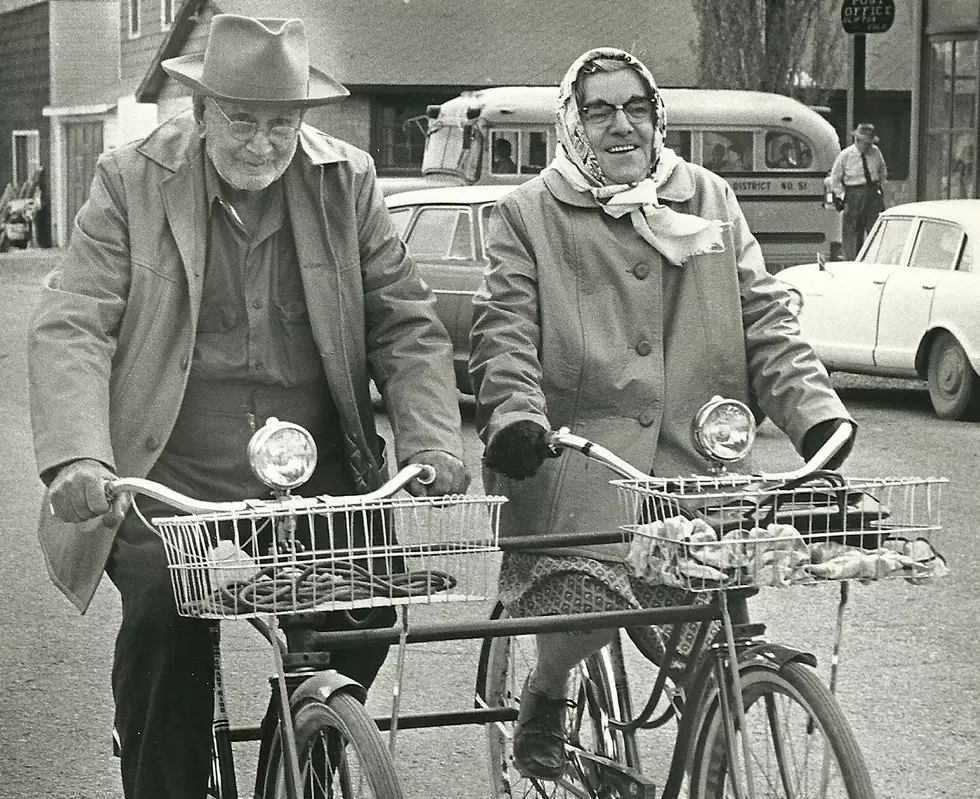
[[427, 475]]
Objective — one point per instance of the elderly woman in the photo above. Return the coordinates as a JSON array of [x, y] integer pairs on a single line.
[[624, 290]]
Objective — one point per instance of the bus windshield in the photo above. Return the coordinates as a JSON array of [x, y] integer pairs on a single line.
[[453, 148]]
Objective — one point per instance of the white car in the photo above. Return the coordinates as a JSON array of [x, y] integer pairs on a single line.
[[908, 307]]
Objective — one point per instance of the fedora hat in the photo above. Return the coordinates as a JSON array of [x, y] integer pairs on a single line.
[[256, 61]]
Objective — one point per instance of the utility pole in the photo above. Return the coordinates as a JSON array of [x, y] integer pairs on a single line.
[[861, 17]]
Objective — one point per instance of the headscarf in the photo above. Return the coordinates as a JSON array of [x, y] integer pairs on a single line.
[[677, 236]]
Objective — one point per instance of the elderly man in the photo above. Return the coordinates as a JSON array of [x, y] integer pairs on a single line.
[[234, 265], [858, 175]]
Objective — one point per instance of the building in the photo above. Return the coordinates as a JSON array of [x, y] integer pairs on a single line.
[[24, 133], [947, 88], [101, 65]]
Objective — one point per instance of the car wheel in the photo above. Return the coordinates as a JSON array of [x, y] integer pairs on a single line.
[[954, 387]]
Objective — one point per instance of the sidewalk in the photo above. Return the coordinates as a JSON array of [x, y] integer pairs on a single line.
[[26, 267]]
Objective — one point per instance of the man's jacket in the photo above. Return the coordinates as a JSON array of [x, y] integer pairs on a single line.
[[112, 339]]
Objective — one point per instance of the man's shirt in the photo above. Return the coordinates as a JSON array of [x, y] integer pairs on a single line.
[[253, 323], [849, 171]]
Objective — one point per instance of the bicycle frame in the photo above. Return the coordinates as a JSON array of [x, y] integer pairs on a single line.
[[741, 641]]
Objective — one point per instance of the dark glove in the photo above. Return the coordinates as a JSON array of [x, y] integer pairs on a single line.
[[820, 434], [518, 450]]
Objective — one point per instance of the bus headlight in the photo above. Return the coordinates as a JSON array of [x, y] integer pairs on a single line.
[[282, 454], [724, 430]]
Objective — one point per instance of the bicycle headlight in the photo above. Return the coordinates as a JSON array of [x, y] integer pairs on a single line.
[[724, 430], [282, 454]]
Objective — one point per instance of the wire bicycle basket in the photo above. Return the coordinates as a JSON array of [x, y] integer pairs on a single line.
[[739, 531], [297, 555]]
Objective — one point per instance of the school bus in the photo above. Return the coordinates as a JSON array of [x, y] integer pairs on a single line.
[[773, 150]]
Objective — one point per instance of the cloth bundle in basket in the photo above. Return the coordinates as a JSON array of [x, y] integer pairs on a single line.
[[691, 554]]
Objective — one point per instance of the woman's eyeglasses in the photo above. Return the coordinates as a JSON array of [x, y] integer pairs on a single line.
[[244, 131], [637, 109]]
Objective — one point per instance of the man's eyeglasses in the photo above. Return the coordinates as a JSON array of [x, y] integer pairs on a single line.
[[244, 131], [637, 109]]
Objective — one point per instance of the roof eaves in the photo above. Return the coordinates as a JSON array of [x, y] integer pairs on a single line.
[[182, 27]]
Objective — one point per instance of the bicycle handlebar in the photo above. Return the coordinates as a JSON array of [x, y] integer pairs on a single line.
[[564, 438], [423, 472]]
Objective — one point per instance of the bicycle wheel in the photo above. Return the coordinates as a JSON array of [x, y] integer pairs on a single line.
[[801, 745], [591, 693], [341, 754]]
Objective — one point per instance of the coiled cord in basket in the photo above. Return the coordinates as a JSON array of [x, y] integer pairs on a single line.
[[278, 590]]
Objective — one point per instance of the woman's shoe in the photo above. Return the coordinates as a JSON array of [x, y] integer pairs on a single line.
[[539, 738]]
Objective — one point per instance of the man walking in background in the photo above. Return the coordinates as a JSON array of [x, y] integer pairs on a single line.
[[858, 175]]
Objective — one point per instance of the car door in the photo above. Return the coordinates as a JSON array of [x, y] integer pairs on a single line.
[[908, 295], [840, 311], [440, 240]]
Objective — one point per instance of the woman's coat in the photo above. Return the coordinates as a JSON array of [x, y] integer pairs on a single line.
[[569, 330], [112, 339]]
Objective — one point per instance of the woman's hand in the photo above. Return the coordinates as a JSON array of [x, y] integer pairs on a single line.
[[519, 449], [820, 434]]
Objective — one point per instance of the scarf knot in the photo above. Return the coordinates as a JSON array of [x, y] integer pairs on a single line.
[[675, 235]]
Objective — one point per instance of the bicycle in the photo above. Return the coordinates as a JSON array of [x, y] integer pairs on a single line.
[[266, 561], [321, 742], [718, 539]]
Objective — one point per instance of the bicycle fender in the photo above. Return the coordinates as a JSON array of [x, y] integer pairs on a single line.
[[775, 656], [324, 684]]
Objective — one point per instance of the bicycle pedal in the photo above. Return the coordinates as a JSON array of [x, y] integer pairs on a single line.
[[617, 781]]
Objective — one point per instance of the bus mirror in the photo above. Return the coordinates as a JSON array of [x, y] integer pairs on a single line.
[[473, 112], [821, 261], [432, 111]]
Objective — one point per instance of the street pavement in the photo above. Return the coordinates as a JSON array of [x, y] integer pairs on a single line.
[[909, 679]]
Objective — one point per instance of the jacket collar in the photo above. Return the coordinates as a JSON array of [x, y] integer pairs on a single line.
[[678, 188], [177, 142]]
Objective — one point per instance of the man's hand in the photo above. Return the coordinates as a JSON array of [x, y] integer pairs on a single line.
[[451, 475], [518, 450], [78, 493], [820, 434]]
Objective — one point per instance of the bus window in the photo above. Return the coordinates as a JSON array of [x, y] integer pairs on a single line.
[[680, 142], [535, 158], [786, 151], [728, 151], [504, 146]]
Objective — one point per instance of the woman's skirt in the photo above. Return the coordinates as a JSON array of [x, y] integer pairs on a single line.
[[546, 585]]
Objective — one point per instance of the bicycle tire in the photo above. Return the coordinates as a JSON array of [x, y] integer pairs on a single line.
[[812, 726], [361, 769], [591, 690]]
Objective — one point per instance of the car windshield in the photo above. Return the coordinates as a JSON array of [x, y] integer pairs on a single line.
[[888, 242]]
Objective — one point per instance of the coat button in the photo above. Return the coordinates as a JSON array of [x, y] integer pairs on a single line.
[[643, 348], [646, 418], [151, 443], [641, 271]]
